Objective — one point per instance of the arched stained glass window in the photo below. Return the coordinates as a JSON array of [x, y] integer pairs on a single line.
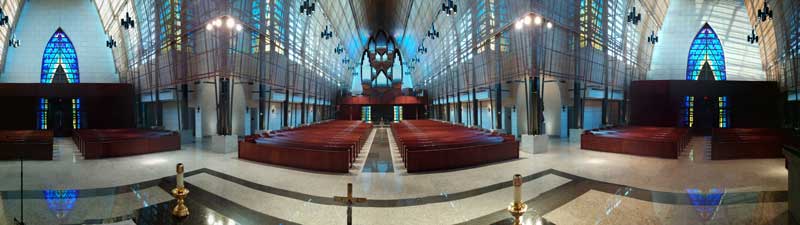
[[706, 62], [59, 61], [59, 65], [706, 48]]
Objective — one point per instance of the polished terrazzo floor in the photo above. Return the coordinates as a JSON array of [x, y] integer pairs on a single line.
[[564, 186]]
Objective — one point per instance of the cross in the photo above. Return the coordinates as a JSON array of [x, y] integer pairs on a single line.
[[349, 200]]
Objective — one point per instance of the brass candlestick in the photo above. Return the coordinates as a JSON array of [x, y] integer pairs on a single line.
[[517, 208], [180, 194], [180, 209]]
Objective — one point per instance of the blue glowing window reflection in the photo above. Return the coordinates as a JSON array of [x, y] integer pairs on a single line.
[[706, 203], [60, 201]]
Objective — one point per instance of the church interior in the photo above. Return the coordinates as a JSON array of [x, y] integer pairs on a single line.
[[395, 112]]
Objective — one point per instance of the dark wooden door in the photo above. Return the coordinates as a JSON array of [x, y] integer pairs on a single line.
[[59, 116], [706, 115]]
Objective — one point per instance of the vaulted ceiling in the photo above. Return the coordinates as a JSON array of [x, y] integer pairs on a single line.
[[405, 20]]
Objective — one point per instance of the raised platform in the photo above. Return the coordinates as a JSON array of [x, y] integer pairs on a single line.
[[663, 142], [427, 145], [105, 143]]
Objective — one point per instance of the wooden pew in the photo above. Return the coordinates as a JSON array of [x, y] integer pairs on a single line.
[[28, 144], [427, 145], [741, 143], [104, 143], [331, 146], [663, 142]]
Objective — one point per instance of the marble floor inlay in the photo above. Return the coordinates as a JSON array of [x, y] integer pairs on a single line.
[[558, 184]]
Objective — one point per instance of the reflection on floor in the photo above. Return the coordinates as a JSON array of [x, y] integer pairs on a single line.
[[379, 159], [596, 207], [563, 186], [699, 149]]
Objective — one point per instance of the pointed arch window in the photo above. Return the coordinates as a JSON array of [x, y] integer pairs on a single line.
[[706, 49], [59, 61], [706, 61], [59, 65]]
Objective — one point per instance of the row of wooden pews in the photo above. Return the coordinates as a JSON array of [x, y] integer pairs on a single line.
[[741, 143], [427, 145], [28, 144], [330, 146], [664, 142], [104, 143]]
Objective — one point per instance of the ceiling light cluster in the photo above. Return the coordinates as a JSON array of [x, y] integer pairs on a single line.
[[229, 22], [3, 18], [13, 41], [422, 49], [752, 38], [527, 20], [307, 8], [653, 39], [764, 12], [761, 15], [634, 17], [338, 49], [449, 8], [433, 33], [111, 43], [127, 22], [327, 34]]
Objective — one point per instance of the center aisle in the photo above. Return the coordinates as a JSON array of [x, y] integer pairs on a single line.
[[379, 159]]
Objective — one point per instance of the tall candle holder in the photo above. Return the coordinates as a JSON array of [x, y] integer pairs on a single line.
[[517, 208], [180, 193]]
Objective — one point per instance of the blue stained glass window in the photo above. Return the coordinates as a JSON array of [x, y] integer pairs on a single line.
[[59, 51], [398, 113], [366, 114], [59, 57], [688, 111], [706, 47], [591, 29], [723, 111], [43, 113], [76, 116], [255, 14]]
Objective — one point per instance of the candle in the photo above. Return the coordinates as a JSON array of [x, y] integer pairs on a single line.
[[517, 181], [179, 178]]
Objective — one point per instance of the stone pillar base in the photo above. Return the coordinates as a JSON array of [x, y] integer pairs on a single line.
[[224, 143], [534, 144], [187, 136], [575, 135]]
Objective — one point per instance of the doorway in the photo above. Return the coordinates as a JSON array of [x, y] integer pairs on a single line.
[[60, 118], [706, 115]]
